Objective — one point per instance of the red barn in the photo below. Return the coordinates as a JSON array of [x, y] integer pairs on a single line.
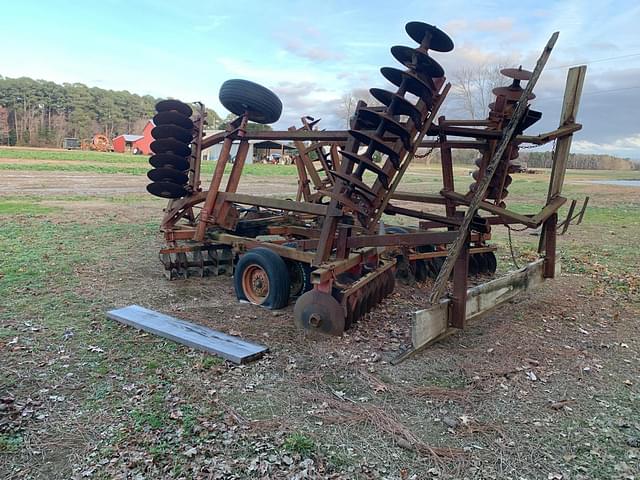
[[135, 143]]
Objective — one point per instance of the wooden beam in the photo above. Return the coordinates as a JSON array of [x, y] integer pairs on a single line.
[[190, 334], [429, 324], [549, 210], [570, 105]]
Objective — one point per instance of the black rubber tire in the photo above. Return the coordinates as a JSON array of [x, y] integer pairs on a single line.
[[420, 268], [394, 229], [303, 270], [277, 273], [474, 268], [492, 262], [240, 96], [483, 267]]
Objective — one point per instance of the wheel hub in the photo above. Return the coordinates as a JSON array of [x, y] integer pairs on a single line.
[[319, 312], [256, 284]]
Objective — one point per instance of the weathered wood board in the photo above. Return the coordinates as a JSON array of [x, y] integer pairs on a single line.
[[433, 322], [226, 346]]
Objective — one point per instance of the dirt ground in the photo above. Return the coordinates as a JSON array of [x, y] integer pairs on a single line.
[[545, 387]]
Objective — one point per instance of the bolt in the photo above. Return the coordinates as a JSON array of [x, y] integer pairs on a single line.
[[315, 320]]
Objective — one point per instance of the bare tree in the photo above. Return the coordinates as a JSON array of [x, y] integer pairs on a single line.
[[472, 87], [349, 101]]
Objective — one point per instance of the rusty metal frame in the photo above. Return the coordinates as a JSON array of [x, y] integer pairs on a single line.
[[344, 236]]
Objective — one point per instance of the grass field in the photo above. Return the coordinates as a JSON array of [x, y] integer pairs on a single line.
[[543, 388]]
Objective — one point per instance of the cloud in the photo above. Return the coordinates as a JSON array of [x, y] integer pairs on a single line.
[[316, 53], [308, 98], [500, 24], [212, 23], [617, 147]]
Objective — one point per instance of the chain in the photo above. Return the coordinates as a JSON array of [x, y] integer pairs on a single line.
[[526, 147], [513, 256], [415, 155]]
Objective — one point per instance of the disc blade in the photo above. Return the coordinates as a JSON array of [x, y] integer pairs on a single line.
[[172, 117], [511, 93], [517, 73], [317, 311], [170, 146], [174, 105], [172, 131], [440, 41], [166, 190], [170, 175], [415, 59], [169, 160]]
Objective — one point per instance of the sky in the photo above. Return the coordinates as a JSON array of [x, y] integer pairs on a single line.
[[313, 53]]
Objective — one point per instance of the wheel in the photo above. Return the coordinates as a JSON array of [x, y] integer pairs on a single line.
[[492, 262], [420, 269], [262, 278], [240, 96], [474, 268], [483, 267], [317, 311], [299, 277], [394, 229]]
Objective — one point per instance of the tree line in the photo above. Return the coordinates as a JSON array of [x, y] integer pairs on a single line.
[[40, 113], [580, 161]]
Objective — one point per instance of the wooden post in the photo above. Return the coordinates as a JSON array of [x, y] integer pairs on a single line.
[[584, 208], [570, 104], [550, 229], [446, 162], [458, 244], [459, 299], [567, 222]]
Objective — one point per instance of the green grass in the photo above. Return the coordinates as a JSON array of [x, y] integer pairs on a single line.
[[15, 207], [299, 443], [10, 442], [77, 155], [258, 169]]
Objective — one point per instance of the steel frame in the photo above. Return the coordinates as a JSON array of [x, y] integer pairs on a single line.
[[331, 244]]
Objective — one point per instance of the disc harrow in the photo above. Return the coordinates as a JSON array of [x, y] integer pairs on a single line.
[[200, 261], [173, 134], [500, 112], [329, 250], [369, 149], [316, 162]]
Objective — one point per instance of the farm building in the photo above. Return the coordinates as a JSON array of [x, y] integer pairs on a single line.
[[257, 149], [135, 143]]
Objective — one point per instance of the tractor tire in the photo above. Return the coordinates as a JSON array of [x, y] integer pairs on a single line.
[[261, 104], [261, 277]]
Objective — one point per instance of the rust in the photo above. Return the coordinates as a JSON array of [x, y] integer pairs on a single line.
[[331, 236]]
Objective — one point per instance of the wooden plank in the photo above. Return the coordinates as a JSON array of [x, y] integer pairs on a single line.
[[226, 346], [432, 322], [549, 209], [571, 102], [429, 324]]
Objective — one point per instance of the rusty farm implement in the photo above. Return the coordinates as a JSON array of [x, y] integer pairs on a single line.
[[329, 250]]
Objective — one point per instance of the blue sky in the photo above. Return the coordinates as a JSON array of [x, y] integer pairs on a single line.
[[312, 53]]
